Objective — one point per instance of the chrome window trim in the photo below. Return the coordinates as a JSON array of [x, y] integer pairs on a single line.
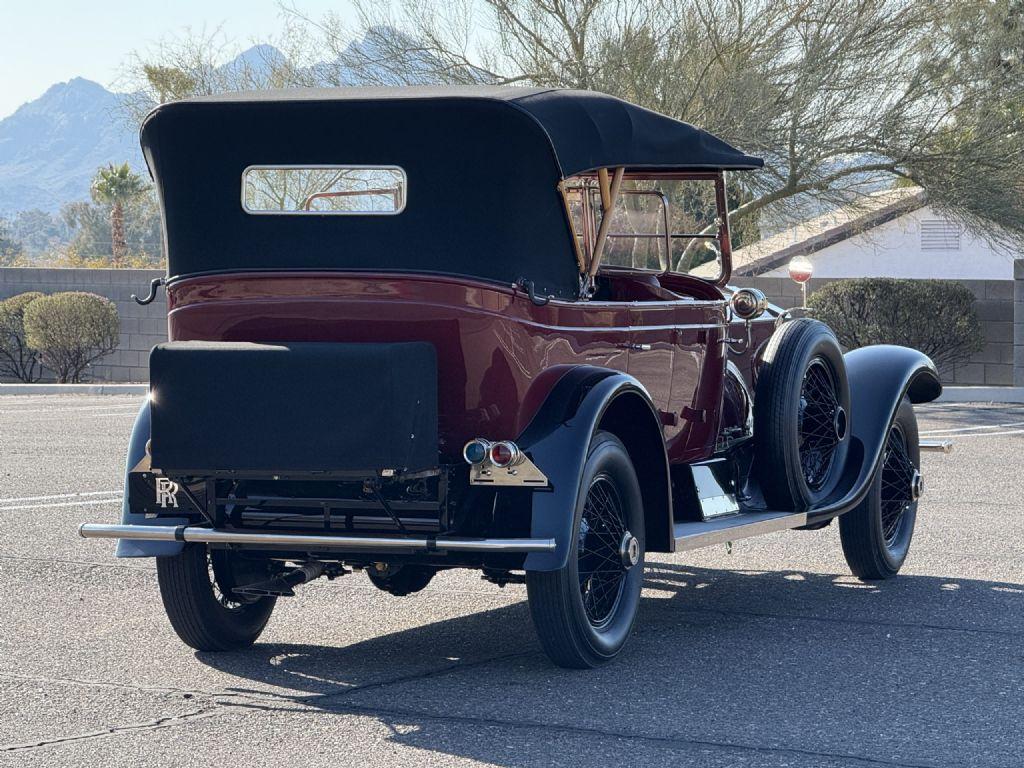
[[324, 167]]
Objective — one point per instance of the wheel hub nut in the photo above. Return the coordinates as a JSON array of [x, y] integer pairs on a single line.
[[839, 423], [916, 485], [629, 550]]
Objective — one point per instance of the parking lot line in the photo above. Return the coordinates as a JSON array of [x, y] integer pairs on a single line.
[[993, 434], [51, 497], [75, 408], [114, 500], [959, 430]]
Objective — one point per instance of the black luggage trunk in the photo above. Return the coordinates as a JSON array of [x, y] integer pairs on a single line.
[[293, 408]]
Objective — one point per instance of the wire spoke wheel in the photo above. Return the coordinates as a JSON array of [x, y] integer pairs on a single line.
[[600, 565], [898, 478], [876, 534], [821, 422], [585, 609], [217, 569]]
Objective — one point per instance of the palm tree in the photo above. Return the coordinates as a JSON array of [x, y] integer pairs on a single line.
[[117, 185]]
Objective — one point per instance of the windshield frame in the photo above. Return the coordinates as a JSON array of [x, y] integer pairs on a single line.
[[589, 242]]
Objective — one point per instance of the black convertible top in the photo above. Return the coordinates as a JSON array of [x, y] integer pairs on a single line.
[[482, 163]]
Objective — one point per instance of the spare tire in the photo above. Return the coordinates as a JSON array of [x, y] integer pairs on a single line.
[[801, 416]]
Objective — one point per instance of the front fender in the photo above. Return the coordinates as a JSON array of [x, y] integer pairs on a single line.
[[880, 376], [136, 453], [558, 439]]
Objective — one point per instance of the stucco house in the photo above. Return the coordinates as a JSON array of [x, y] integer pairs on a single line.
[[896, 233], [892, 233]]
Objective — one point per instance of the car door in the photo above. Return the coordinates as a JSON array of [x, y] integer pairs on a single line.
[[651, 352]]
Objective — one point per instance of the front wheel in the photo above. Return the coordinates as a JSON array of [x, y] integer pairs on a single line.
[[196, 587], [584, 612], [876, 534]]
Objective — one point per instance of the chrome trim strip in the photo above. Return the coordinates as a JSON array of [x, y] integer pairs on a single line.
[[199, 534], [742, 526], [328, 167]]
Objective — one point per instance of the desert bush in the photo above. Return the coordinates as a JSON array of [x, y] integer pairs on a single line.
[[934, 316], [70, 331], [17, 359]]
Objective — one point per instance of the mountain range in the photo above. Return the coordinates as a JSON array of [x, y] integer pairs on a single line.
[[51, 147]]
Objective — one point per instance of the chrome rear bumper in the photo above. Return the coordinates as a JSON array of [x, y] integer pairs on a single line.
[[290, 541]]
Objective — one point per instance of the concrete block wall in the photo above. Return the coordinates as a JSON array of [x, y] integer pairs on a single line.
[[994, 301], [999, 303], [141, 327], [1018, 323]]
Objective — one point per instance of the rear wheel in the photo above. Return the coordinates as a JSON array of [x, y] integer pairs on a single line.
[[876, 534], [196, 587], [584, 612]]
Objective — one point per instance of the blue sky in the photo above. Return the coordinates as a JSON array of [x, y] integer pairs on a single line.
[[42, 43]]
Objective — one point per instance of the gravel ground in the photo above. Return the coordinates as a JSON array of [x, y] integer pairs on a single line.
[[770, 656]]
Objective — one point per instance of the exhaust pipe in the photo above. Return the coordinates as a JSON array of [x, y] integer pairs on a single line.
[[936, 446], [311, 542], [283, 586]]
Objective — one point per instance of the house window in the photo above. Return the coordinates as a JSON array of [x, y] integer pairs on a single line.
[[940, 235]]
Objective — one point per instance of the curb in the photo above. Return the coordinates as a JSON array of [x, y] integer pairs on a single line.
[[73, 389], [982, 395]]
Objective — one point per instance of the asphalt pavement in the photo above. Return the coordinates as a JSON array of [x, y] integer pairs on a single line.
[[772, 655]]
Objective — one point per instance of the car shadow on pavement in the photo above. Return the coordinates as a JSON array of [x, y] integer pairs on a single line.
[[914, 669]]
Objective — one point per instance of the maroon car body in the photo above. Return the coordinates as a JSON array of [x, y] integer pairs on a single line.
[[500, 353]]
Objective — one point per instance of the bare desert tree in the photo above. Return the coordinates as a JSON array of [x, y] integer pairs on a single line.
[[840, 96]]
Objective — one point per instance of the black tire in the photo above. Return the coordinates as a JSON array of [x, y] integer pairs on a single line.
[[584, 614], [876, 534], [195, 586], [401, 580], [801, 415]]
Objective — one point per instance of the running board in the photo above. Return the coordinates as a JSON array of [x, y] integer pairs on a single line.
[[694, 535]]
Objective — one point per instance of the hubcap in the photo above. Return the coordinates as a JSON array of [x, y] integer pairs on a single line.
[[839, 423], [822, 423], [916, 485], [605, 551], [629, 550]]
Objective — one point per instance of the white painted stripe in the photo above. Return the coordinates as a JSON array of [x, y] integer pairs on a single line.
[[992, 434], [972, 429], [74, 408], [62, 504], [53, 496], [47, 419]]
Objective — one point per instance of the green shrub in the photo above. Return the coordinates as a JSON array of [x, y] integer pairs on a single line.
[[70, 331], [936, 317], [17, 359]]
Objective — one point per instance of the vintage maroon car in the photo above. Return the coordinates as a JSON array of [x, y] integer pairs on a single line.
[[481, 328]]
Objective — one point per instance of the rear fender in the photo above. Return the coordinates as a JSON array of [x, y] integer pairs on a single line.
[[136, 453], [584, 400], [880, 376]]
